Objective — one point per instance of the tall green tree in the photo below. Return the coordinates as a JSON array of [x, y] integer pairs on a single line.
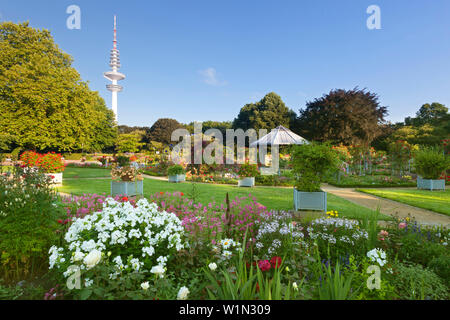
[[343, 116], [428, 114], [162, 130], [44, 104], [130, 142], [430, 126], [268, 113], [222, 126]]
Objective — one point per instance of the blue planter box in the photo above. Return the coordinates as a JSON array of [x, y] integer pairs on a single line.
[[247, 182], [428, 184], [310, 200], [178, 178], [127, 188]]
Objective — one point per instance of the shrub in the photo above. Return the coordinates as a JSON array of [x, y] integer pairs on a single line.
[[416, 248], [337, 237], [51, 163], [277, 234], [48, 163], [310, 163], [430, 163], [29, 158], [122, 161], [248, 170], [413, 282], [175, 170], [441, 266], [28, 224], [73, 156], [123, 239]]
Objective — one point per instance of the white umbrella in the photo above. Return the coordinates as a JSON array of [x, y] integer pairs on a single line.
[[279, 136]]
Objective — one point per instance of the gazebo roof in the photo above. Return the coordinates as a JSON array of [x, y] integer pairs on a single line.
[[280, 136]]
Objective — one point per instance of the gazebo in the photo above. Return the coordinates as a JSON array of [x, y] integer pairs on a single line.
[[278, 137]]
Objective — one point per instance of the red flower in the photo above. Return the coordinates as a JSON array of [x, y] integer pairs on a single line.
[[264, 265], [182, 194], [275, 262], [60, 221], [125, 199]]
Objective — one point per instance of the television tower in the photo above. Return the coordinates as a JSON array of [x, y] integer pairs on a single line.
[[114, 76]]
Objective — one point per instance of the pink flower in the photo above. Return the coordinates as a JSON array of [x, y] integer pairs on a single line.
[[402, 225], [264, 265], [384, 233]]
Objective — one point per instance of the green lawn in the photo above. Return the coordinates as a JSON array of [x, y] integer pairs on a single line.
[[438, 201], [81, 173], [272, 197]]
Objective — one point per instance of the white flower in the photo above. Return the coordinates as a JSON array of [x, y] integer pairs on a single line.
[[158, 270], [226, 254], [88, 282], [183, 293], [113, 227], [92, 259], [212, 266], [295, 286], [227, 243], [215, 249], [378, 256], [145, 285], [78, 256], [136, 264]]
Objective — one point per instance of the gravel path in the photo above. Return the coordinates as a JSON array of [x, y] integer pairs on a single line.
[[390, 207]]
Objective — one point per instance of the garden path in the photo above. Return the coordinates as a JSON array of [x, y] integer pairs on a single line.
[[390, 207]]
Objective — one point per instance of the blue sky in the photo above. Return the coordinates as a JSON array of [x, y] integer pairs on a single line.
[[205, 59]]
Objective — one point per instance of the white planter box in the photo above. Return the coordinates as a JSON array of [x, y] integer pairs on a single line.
[[310, 200], [177, 178], [428, 184], [247, 182], [127, 188], [57, 178]]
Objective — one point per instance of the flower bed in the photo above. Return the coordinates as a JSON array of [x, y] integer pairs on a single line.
[[172, 247], [119, 240]]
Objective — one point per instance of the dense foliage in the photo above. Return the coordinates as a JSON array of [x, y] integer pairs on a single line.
[[268, 113], [28, 224], [47, 163], [162, 130], [348, 117], [430, 163], [310, 163], [247, 170], [50, 108], [176, 170]]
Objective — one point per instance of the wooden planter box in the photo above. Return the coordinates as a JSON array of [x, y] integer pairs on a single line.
[[127, 188], [247, 182], [57, 178], [177, 178], [428, 184], [310, 200]]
